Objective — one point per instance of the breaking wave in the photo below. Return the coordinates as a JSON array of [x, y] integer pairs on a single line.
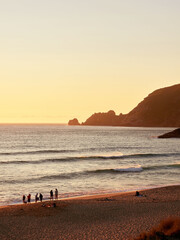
[[88, 173], [84, 158]]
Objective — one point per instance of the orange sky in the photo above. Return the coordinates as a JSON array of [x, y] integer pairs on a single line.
[[66, 59]]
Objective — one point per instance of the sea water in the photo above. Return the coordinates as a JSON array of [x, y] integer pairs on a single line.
[[84, 160]]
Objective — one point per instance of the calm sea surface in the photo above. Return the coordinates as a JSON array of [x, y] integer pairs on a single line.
[[83, 160]]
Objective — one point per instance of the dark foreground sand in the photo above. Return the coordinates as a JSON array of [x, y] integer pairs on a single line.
[[116, 216]]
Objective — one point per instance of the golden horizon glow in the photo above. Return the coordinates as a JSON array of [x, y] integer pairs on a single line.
[[61, 60]]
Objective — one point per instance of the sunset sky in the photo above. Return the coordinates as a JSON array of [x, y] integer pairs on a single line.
[[64, 59]]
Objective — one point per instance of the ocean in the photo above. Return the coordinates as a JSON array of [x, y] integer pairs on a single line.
[[84, 160]]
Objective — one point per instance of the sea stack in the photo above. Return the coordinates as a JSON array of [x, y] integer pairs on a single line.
[[173, 134], [73, 122]]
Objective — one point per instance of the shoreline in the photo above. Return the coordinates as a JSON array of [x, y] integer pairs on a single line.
[[107, 216], [90, 196]]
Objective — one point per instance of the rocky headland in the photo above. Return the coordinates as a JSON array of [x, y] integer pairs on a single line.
[[161, 108]]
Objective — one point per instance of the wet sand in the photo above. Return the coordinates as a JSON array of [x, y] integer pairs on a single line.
[[113, 216]]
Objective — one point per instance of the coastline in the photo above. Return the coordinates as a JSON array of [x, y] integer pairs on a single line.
[[105, 216], [90, 196]]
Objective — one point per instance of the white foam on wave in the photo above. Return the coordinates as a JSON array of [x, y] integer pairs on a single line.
[[110, 155], [103, 155]]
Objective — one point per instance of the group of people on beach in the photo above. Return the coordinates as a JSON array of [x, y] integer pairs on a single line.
[[55, 194], [39, 197], [28, 198]]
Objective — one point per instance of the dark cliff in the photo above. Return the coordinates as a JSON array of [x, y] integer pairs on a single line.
[[103, 119], [161, 108]]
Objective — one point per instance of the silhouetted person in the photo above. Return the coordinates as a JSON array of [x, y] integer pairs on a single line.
[[138, 194], [56, 193], [36, 197], [51, 194], [29, 198], [24, 199], [40, 197]]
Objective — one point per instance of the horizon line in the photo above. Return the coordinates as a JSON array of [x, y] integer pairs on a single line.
[[38, 123]]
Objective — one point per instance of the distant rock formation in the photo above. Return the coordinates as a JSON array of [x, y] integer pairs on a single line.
[[173, 134], [103, 119], [73, 122], [159, 109]]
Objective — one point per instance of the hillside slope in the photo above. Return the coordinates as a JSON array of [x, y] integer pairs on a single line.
[[161, 108]]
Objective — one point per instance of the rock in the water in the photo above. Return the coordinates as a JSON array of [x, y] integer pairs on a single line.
[[173, 134], [73, 122]]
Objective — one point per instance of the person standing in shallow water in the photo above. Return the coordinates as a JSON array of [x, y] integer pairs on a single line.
[[51, 194], [40, 197], [24, 199], [29, 198], [36, 197], [56, 193]]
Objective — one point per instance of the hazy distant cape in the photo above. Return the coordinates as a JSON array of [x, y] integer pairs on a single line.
[[161, 108]]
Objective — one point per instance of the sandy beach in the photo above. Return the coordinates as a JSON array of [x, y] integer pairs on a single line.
[[112, 216]]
